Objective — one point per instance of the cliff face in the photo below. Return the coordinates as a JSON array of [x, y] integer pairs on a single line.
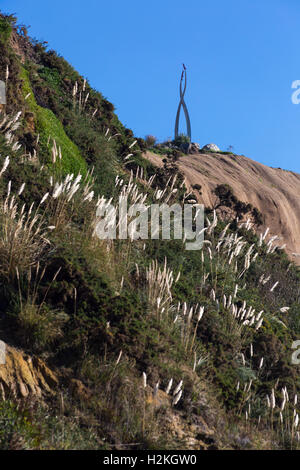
[[275, 192]]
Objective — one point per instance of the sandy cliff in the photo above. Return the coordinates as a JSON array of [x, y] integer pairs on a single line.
[[275, 192]]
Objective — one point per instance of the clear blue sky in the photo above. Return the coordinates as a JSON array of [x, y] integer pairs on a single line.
[[242, 57]]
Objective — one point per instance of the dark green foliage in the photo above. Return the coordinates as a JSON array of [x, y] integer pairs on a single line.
[[181, 139], [227, 199], [16, 429], [6, 26]]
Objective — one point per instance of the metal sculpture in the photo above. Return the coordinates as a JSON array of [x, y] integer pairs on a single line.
[[182, 103]]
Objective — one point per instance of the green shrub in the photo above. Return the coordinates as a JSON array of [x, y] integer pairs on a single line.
[[150, 140], [49, 126], [6, 25], [16, 430], [181, 139]]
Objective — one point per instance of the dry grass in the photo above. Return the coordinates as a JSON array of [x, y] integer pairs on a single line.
[[23, 237]]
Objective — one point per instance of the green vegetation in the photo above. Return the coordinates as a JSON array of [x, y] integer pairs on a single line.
[[50, 129], [49, 125], [5, 28], [227, 199], [181, 139]]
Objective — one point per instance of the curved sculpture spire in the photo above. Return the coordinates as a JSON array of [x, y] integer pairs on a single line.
[[182, 103]]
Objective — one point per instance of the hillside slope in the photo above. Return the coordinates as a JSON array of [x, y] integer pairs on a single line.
[[275, 192], [127, 344]]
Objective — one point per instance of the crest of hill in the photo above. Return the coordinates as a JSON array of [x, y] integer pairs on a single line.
[[273, 191]]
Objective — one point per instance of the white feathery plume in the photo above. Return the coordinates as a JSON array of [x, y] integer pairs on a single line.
[[284, 309], [119, 357], [178, 388], [21, 189], [261, 363], [169, 386], [44, 198], [5, 165], [156, 388], [133, 143], [144, 380], [177, 398], [273, 287], [273, 401]]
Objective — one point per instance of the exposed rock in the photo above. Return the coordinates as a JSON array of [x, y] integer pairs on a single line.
[[185, 147], [210, 148], [189, 432], [191, 436], [194, 148], [22, 375], [273, 191]]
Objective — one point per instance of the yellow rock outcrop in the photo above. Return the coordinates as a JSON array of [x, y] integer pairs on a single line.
[[22, 375]]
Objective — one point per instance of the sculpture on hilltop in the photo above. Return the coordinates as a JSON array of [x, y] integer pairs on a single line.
[[182, 103]]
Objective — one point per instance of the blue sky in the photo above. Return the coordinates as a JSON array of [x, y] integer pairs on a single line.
[[242, 57]]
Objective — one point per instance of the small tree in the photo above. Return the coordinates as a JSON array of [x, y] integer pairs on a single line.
[[197, 187], [150, 140]]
